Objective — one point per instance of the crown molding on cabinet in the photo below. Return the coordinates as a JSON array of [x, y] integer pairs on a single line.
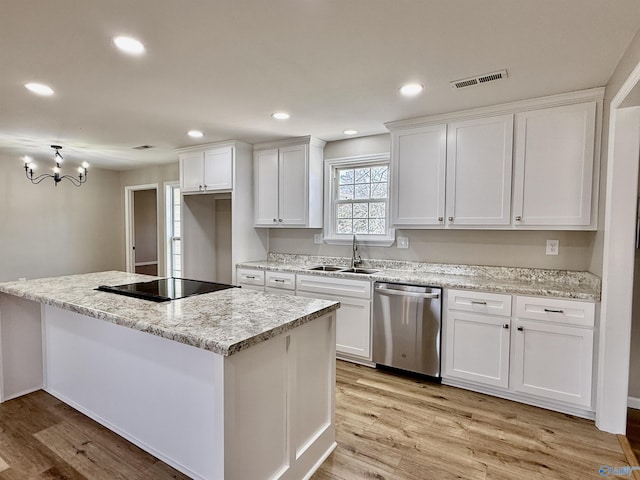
[[316, 142], [205, 146], [594, 94]]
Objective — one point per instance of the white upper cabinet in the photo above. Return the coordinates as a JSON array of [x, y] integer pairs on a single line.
[[207, 171], [418, 176], [554, 160], [479, 160], [288, 183]]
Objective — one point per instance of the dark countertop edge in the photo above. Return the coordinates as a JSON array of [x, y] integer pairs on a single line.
[[534, 289]]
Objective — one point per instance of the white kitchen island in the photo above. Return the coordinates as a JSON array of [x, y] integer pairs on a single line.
[[234, 384]]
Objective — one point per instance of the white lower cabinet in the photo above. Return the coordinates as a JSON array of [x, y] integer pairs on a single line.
[[250, 279], [543, 355], [280, 282], [353, 318]]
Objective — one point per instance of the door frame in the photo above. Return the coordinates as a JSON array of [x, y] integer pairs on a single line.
[[129, 230], [618, 260]]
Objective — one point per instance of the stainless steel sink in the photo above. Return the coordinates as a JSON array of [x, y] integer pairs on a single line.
[[325, 268], [363, 271]]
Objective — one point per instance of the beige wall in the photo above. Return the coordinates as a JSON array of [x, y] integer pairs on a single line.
[[521, 248], [49, 231], [151, 175]]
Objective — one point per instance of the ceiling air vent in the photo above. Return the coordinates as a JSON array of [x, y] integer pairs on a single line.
[[143, 147], [479, 79]]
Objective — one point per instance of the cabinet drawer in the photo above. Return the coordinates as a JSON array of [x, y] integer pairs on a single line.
[[250, 277], [570, 312], [479, 302], [334, 286], [285, 281]]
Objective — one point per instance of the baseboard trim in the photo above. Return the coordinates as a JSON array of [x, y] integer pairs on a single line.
[[633, 402]]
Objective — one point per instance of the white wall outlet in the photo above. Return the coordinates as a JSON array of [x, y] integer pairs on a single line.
[[317, 238], [22, 279], [552, 247], [403, 242]]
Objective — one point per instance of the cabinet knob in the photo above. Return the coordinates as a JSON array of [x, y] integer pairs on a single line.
[[440, 219], [205, 187], [280, 220], [520, 329], [275, 220], [200, 187], [506, 325], [451, 219], [518, 218]]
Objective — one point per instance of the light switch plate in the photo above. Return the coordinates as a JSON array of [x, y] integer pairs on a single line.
[[317, 238], [403, 242], [552, 247]]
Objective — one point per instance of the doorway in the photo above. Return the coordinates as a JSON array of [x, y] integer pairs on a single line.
[[142, 229]]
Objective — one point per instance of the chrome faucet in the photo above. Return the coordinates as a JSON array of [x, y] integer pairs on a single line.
[[356, 260]]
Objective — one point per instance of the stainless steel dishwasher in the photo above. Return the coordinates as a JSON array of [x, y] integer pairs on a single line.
[[406, 327]]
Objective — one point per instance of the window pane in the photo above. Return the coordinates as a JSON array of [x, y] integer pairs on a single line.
[[379, 190], [363, 191], [346, 177], [380, 174], [345, 210], [376, 226], [176, 213], [360, 226], [377, 210], [176, 229], [344, 226], [363, 175], [360, 210], [346, 192]]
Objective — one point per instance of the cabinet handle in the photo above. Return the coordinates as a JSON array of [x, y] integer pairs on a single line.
[[251, 277], [518, 218], [551, 310], [477, 302], [506, 325], [451, 219], [278, 280], [440, 219], [520, 329]]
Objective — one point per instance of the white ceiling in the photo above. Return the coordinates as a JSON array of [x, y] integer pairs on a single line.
[[224, 66]]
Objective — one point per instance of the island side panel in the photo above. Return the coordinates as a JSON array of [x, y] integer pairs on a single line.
[[164, 396], [20, 347], [280, 404]]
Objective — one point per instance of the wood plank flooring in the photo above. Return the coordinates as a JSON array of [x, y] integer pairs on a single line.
[[388, 428]]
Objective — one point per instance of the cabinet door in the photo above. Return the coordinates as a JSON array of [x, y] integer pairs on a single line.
[[479, 164], [218, 169], [265, 170], [191, 172], [353, 325], [554, 155], [418, 176], [293, 185], [553, 361], [477, 348]]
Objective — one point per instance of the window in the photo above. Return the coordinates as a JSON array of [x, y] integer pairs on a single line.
[[358, 200], [174, 259]]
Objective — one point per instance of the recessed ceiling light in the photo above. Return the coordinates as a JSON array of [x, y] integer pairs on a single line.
[[195, 134], [350, 132], [281, 115], [411, 89], [39, 88], [129, 45]]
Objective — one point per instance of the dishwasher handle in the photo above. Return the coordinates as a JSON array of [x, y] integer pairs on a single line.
[[388, 291]]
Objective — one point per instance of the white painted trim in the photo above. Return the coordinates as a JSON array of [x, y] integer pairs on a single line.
[[128, 223], [144, 264], [168, 227], [618, 260], [633, 402]]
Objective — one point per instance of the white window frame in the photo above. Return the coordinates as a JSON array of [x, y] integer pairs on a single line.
[[330, 196], [168, 190]]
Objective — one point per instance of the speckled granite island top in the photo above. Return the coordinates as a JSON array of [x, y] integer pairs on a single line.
[[223, 322], [511, 280]]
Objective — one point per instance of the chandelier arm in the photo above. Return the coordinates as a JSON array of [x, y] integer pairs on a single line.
[[73, 180], [40, 178]]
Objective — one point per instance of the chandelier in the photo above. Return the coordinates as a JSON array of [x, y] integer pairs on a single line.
[[77, 180]]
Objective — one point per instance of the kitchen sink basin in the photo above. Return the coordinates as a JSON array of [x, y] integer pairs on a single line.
[[326, 268], [363, 271]]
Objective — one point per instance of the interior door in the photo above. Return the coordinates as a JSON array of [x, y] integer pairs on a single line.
[[144, 232]]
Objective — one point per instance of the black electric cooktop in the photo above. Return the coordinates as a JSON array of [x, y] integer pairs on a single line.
[[165, 289]]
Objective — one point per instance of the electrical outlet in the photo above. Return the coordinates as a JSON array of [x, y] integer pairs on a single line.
[[22, 279], [403, 242], [317, 238], [552, 247]]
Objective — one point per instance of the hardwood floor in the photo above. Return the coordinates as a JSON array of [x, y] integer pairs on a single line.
[[388, 427], [633, 430]]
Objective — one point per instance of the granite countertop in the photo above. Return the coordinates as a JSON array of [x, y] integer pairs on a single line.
[[223, 322], [510, 280]]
